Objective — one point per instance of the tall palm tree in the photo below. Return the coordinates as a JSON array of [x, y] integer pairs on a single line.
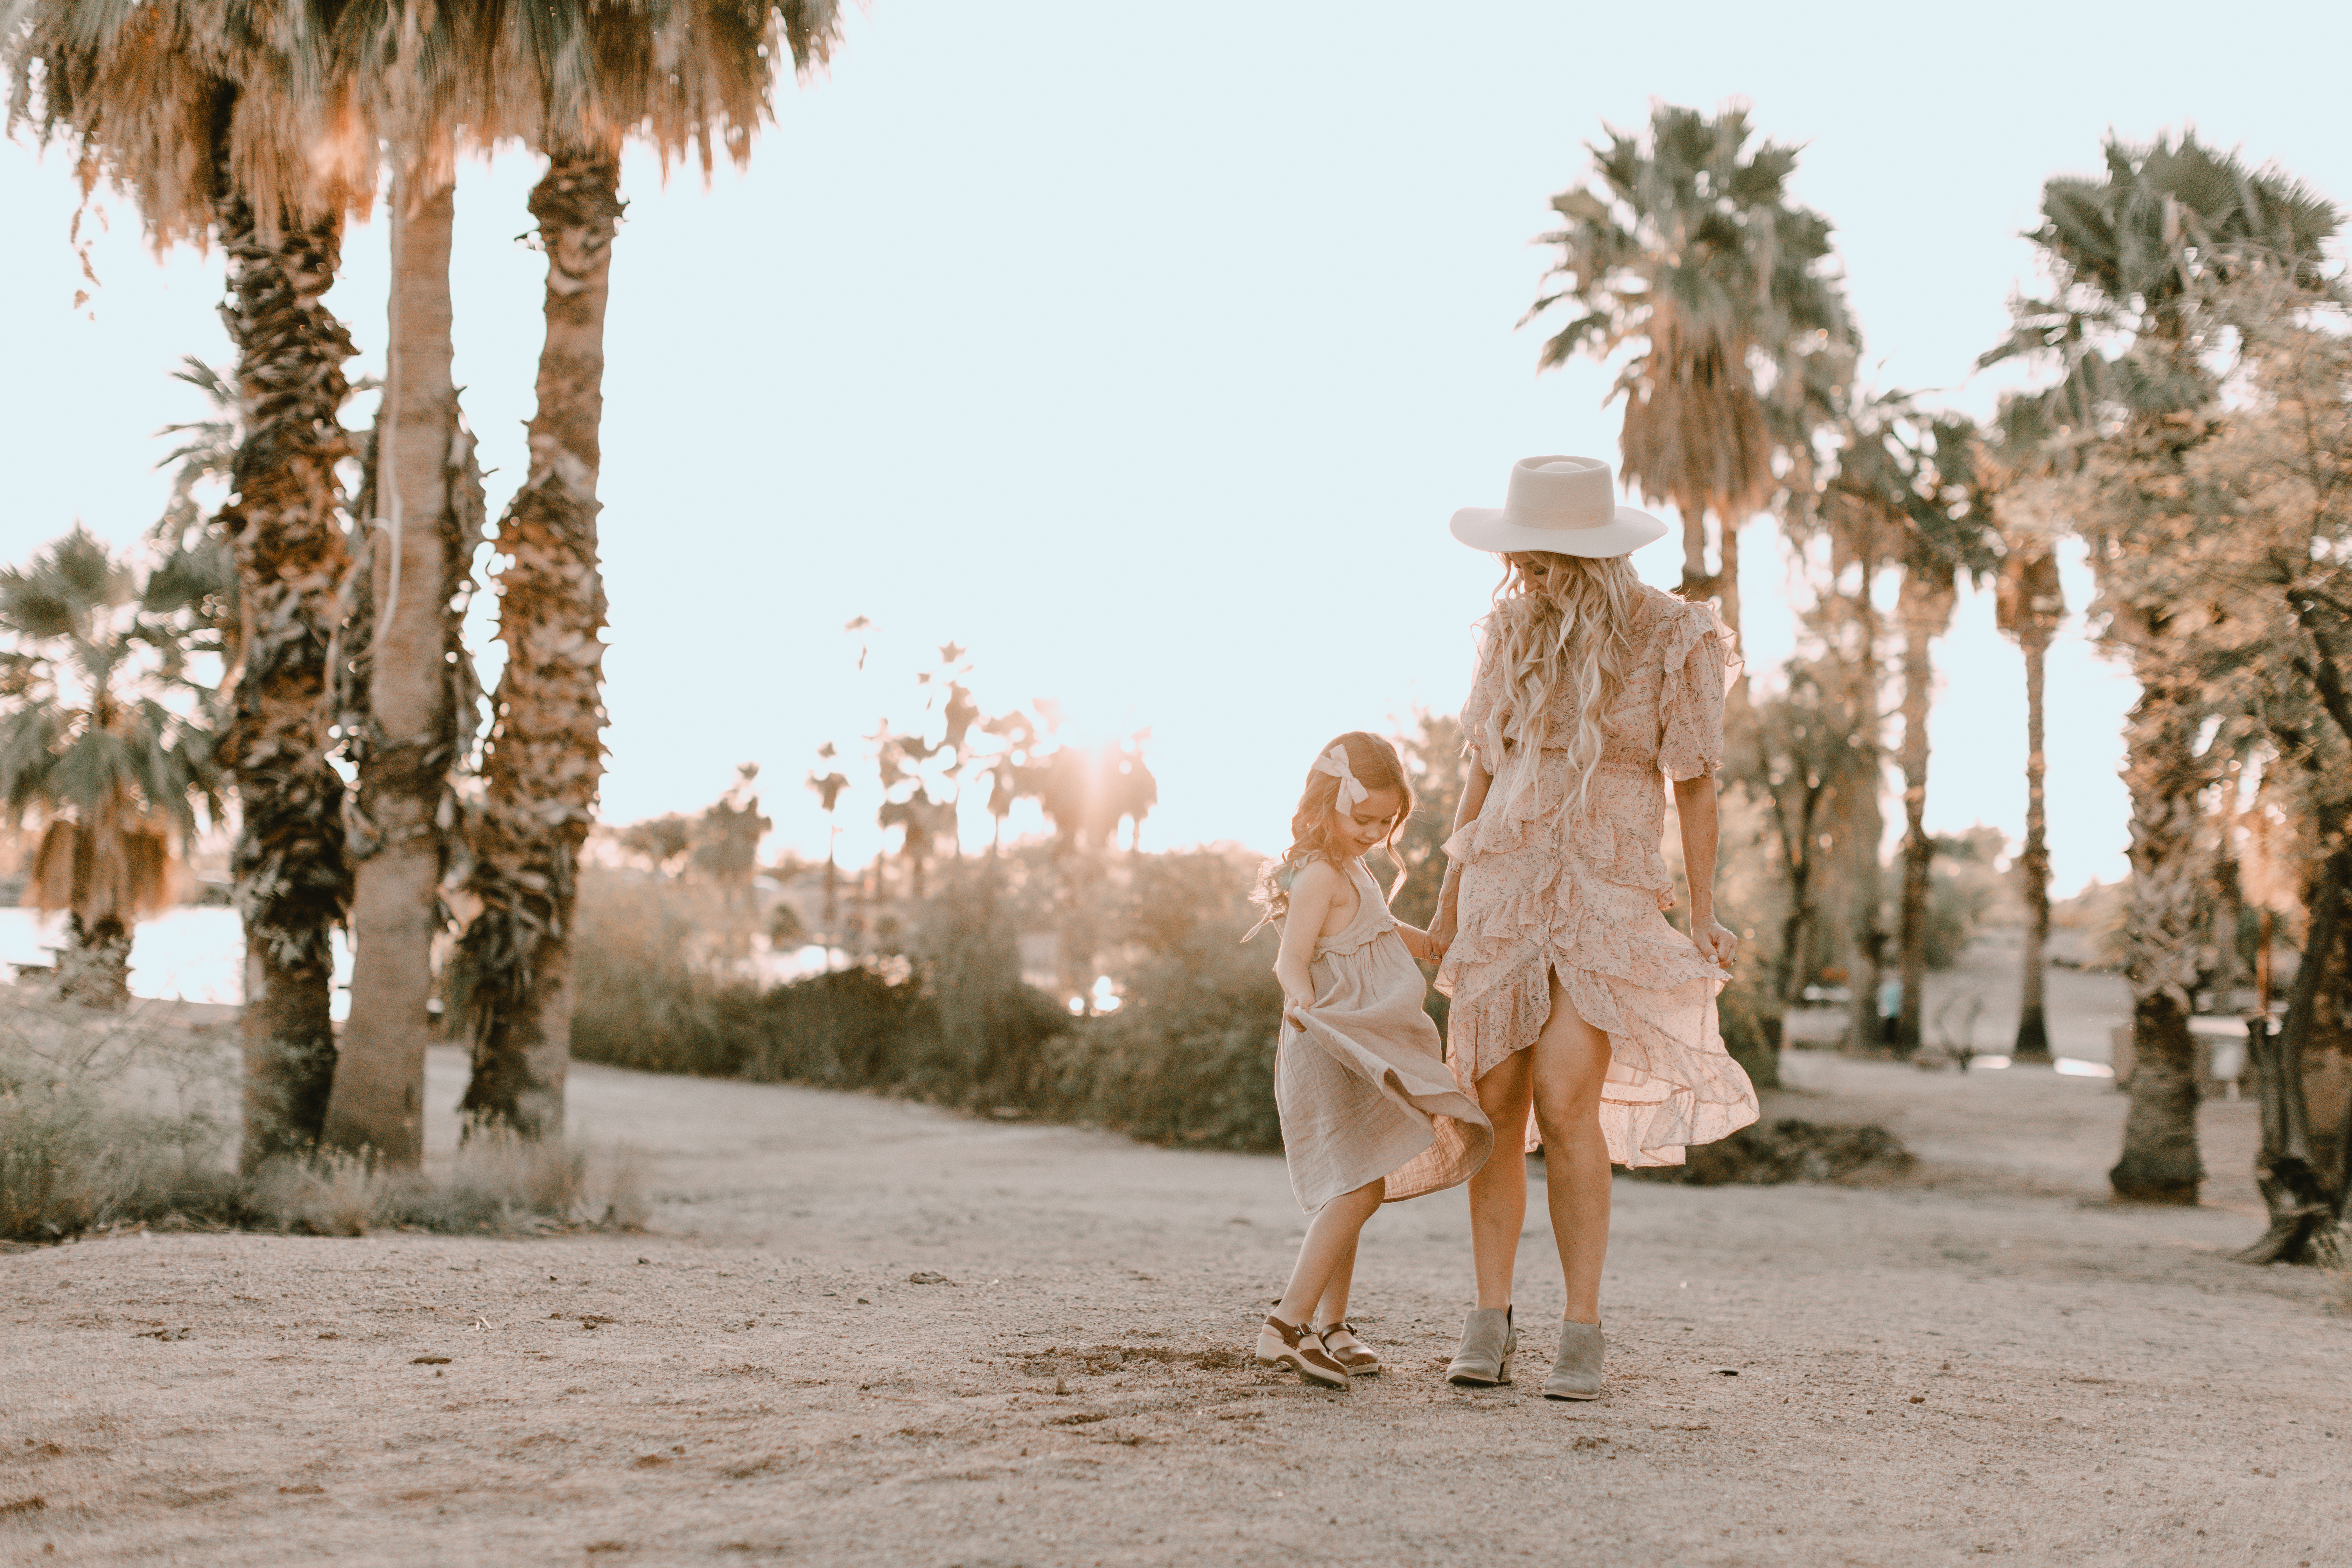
[[680, 75], [2032, 608], [828, 786], [2133, 254], [420, 75], [1903, 495], [222, 122], [1947, 533], [105, 739], [1690, 246]]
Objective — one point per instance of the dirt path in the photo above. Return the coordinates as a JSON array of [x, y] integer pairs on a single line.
[[1798, 1375]]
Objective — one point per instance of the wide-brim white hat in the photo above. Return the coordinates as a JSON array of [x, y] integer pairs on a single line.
[[1567, 505]]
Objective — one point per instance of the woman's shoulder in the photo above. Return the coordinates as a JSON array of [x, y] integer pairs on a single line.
[[1661, 617]]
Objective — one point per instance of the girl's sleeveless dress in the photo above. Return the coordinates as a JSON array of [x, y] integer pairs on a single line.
[[1363, 1090], [1542, 894]]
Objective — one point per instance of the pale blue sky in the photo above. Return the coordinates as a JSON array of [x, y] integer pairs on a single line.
[[1149, 361]]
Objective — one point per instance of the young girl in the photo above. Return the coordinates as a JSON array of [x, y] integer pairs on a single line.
[[1369, 1113]]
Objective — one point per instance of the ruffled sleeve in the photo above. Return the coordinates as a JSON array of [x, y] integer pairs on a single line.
[[1485, 691], [1699, 666]]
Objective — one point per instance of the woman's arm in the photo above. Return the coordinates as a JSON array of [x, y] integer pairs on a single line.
[[1310, 903], [1695, 809], [1474, 785]]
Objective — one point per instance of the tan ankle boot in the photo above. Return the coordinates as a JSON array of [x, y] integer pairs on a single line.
[[1576, 1370], [1488, 1341]]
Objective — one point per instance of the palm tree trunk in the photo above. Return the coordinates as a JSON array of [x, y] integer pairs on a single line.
[[1926, 609], [94, 965], [1866, 827], [2159, 1162], [2300, 1166], [1726, 586], [2033, 865], [378, 1100], [293, 884], [545, 754]]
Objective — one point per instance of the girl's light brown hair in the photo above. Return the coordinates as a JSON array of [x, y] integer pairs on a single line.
[[1377, 766]]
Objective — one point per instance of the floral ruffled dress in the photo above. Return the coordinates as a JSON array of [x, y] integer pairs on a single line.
[[1586, 898]]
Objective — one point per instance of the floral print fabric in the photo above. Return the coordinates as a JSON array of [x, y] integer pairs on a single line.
[[1585, 899]]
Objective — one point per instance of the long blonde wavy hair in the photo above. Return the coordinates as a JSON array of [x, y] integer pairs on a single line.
[[1560, 624]]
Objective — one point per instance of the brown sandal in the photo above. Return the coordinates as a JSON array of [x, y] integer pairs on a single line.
[[1356, 1357], [1295, 1346]]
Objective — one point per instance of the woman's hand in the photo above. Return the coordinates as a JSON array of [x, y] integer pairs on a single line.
[[1709, 936], [1441, 933]]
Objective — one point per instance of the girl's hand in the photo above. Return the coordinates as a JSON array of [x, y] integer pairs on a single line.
[[1294, 1012], [1441, 933], [1709, 936]]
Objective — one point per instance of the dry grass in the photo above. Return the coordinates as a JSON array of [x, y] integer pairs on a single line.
[[111, 1120]]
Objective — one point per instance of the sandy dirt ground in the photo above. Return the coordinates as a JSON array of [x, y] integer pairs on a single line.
[[1983, 1359]]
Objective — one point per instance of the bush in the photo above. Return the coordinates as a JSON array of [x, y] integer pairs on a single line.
[[853, 1028], [1787, 1150], [648, 992], [500, 1182], [1189, 1058], [109, 1119]]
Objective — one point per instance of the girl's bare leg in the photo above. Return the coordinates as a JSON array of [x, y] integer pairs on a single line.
[[1330, 1241], [1333, 1307], [1498, 1192], [1570, 1059]]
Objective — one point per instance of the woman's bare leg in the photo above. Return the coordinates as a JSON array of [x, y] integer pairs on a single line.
[[1330, 1241], [1333, 1307], [1498, 1192], [1571, 1058]]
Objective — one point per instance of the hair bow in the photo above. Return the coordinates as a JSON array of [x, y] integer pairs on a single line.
[[1335, 762]]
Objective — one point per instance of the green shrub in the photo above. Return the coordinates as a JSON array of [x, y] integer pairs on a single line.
[[107, 1118], [1211, 1090], [853, 1028], [111, 1118], [1189, 1056], [646, 991]]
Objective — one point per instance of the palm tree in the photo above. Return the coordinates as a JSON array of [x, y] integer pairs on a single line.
[[1812, 770], [678, 74], [105, 740], [828, 786], [2032, 608], [420, 76], [1690, 245], [2132, 255], [1945, 532], [1903, 495], [219, 121]]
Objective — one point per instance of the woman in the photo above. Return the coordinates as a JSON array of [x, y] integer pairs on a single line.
[[1572, 998]]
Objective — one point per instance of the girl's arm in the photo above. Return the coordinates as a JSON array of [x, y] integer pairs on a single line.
[[1474, 799], [1416, 941], [1310, 902], [1695, 810]]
